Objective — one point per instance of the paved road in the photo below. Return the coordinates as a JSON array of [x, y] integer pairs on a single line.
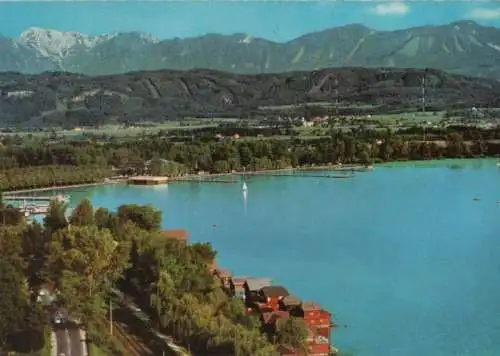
[[68, 341]]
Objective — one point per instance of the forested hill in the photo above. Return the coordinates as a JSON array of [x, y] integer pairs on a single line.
[[62, 98]]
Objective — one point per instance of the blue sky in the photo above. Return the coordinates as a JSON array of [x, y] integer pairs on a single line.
[[279, 21]]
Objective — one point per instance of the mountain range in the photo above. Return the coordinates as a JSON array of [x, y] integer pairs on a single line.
[[463, 47], [64, 99]]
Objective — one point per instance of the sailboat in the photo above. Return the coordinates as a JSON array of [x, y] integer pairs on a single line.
[[244, 187]]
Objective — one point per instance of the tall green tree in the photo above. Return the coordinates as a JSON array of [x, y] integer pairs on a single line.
[[104, 219], [292, 331], [144, 216], [34, 251], [13, 297], [83, 214], [82, 261], [55, 218], [11, 248]]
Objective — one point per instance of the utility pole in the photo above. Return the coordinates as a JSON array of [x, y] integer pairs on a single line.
[[423, 93], [110, 317]]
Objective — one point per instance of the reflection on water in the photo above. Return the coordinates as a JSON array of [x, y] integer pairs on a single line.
[[245, 199]]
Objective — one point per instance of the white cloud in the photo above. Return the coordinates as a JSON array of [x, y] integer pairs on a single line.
[[397, 8], [485, 14]]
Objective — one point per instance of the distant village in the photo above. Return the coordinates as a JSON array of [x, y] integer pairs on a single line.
[[482, 118]]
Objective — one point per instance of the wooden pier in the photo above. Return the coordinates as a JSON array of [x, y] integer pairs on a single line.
[[352, 168], [33, 205], [203, 180], [35, 198], [147, 180], [35, 209], [152, 180], [331, 176]]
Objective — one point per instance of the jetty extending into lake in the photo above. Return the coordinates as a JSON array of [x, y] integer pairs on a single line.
[[298, 175], [205, 179], [44, 198], [157, 180], [34, 204], [147, 180]]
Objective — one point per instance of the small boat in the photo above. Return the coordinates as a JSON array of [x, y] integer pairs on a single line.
[[244, 188], [498, 164]]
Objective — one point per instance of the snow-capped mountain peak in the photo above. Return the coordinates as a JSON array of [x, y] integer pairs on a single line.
[[57, 44]]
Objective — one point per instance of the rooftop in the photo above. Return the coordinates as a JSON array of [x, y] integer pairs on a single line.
[[274, 291], [255, 284], [181, 235], [310, 306], [149, 178], [238, 281], [291, 301]]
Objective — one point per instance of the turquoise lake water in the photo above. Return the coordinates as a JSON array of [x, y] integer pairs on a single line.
[[404, 257]]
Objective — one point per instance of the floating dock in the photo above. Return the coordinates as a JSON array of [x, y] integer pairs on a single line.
[[352, 168], [204, 180], [155, 180], [34, 205], [298, 175], [34, 209], [35, 198], [147, 180]]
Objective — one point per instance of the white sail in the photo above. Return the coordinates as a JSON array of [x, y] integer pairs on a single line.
[[245, 188]]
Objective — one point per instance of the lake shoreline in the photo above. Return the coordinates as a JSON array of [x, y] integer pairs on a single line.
[[189, 177], [63, 187], [209, 176]]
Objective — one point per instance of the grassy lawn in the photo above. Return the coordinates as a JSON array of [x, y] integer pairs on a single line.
[[414, 116], [95, 351], [120, 131], [325, 104]]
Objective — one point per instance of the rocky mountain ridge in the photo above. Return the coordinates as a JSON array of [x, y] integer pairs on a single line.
[[463, 47], [56, 45]]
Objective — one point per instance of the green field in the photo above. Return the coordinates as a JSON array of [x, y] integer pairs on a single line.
[[96, 351], [379, 121], [417, 117], [121, 130]]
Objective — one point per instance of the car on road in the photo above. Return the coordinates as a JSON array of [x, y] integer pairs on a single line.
[[59, 316]]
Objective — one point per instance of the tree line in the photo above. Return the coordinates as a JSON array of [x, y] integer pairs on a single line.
[[81, 256], [37, 163], [51, 175]]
